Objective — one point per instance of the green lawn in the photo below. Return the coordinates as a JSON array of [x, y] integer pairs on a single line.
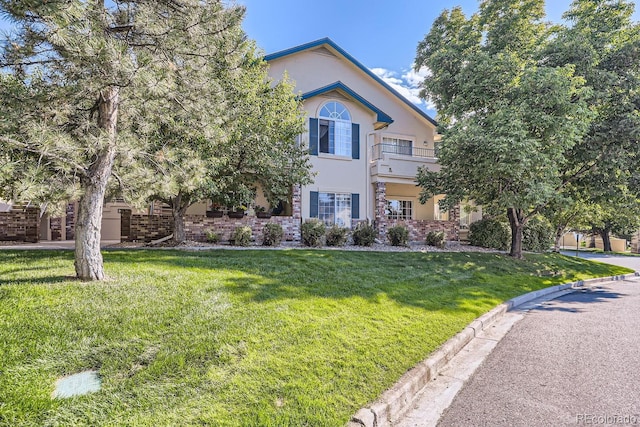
[[268, 338]]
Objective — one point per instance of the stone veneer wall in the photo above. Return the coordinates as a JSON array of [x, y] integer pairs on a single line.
[[20, 225], [196, 227], [151, 227], [418, 229], [146, 228]]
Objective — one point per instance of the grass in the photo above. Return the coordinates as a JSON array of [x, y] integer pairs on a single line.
[[240, 338]]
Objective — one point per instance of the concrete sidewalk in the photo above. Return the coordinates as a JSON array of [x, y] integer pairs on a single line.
[[438, 395], [558, 366], [570, 361], [424, 394]]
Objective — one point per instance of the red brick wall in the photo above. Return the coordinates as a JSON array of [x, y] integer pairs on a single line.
[[21, 225]]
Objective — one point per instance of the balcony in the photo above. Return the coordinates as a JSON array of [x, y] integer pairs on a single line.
[[396, 162], [380, 150]]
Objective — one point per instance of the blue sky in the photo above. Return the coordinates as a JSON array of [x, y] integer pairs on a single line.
[[382, 35]]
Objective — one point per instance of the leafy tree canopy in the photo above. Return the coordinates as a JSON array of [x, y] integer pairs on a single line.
[[508, 119]]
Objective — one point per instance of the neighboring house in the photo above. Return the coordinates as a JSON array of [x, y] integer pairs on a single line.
[[366, 141]]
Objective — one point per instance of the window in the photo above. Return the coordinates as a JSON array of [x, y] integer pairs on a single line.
[[397, 146], [334, 131], [399, 209], [335, 208], [438, 214]]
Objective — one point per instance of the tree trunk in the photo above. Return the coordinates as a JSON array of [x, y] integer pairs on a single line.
[[179, 207], [88, 259], [516, 221], [559, 233], [606, 240], [179, 233]]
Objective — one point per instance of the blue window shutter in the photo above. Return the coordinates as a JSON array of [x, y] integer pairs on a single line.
[[355, 206], [313, 137], [313, 206], [355, 141]]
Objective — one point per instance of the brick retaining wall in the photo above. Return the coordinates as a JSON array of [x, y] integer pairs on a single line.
[[20, 225]]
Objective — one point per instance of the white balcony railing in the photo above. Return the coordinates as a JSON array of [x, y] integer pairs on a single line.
[[379, 150]]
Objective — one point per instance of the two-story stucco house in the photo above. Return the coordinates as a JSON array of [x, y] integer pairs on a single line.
[[366, 142]]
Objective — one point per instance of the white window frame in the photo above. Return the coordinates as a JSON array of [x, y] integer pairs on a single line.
[[402, 209], [336, 211], [335, 116], [439, 215], [397, 144]]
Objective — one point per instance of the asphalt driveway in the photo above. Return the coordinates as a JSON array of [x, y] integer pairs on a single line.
[[571, 361]]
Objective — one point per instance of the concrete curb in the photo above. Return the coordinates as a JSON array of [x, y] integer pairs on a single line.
[[394, 402]]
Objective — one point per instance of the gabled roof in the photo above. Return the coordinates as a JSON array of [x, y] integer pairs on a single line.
[[328, 42], [383, 119]]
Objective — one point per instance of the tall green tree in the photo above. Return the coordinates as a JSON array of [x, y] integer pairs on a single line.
[[258, 122], [619, 216], [78, 74], [508, 120], [603, 44]]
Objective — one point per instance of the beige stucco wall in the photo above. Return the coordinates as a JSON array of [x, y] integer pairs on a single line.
[[411, 192], [339, 174], [311, 70], [314, 69]]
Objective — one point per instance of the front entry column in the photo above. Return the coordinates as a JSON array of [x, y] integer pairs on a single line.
[[381, 205]]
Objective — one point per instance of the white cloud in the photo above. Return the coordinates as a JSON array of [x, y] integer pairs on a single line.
[[406, 83]]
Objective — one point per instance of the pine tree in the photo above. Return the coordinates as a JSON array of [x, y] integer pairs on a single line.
[[84, 77]]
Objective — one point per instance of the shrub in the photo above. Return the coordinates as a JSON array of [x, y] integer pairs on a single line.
[[241, 236], [398, 235], [272, 234], [336, 236], [313, 232], [436, 238], [212, 237], [537, 235], [364, 234], [490, 233]]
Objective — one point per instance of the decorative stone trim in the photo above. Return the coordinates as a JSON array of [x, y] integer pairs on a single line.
[[146, 228]]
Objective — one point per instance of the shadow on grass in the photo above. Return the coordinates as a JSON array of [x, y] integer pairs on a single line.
[[432, 281], [40, 280], [470, 282]]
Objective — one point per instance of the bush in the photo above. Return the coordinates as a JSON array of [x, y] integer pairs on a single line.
[[537, 235], [364, 234], [398, 235], [313, 232], [436, 238], [241, 236], [272, 234], [336, 236], [212, 237], [490, 233]]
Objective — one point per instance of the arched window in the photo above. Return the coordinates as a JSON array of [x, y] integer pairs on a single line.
[[335, 129]]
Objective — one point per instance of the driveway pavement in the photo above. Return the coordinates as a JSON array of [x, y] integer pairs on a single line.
[[571, 361], [623, 261]]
